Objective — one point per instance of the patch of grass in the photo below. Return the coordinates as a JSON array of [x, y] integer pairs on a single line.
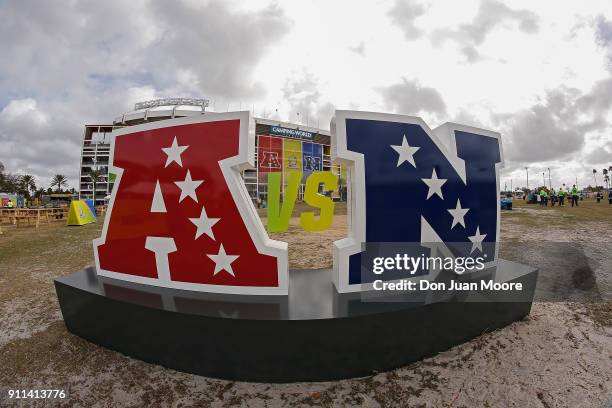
[[54, 244], [29, 257], [587, 210], [600, 313]]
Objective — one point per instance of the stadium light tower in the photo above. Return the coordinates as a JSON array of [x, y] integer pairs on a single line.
[[527, 171]]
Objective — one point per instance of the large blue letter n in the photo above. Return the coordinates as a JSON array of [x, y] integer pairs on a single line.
[[410, 184]]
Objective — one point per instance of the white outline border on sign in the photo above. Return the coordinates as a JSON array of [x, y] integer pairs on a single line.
[[443, 137], [231, 168]]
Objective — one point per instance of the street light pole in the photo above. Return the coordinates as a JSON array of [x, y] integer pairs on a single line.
[[549, 182], [544, 179], [527, 171]]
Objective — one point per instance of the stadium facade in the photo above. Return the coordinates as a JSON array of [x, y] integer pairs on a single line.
[[280, 147]]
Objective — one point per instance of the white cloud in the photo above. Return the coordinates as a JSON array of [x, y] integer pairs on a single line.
[[19, 110], [491, 15], [600, 155], [412, 98], [404, 13]]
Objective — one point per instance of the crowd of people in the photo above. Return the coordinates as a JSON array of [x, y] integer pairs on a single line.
[[544, 196], [558, 197]]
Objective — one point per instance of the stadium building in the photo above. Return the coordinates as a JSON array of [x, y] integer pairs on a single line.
[[95, 152], [279, 147]]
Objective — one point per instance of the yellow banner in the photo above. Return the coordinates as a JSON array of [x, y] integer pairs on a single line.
[[292, 155]]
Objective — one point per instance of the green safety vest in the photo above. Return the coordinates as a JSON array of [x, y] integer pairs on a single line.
[[574, 191]]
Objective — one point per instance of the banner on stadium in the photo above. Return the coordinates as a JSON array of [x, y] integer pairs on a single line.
[[270, 154], [292, 155], [312, 158]]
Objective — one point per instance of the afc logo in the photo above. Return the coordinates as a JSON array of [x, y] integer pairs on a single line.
[[269, 160], [180, 215]]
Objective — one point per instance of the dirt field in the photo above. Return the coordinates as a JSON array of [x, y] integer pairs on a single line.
[[560, 356]]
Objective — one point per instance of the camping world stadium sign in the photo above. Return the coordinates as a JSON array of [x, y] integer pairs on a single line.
[[180, 215], [293, 133]]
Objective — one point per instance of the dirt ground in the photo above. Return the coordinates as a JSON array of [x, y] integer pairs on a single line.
[[559, 356]]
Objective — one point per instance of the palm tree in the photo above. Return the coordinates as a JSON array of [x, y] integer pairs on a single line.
[[96, 177], [2, 177], [28, 183], [595, 177], [60, 181], [39, 193], [606, 177]]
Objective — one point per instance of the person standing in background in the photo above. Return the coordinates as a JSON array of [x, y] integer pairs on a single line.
[[543, 198], [553, 197], [539, 198], [574, 196], [561, 195]]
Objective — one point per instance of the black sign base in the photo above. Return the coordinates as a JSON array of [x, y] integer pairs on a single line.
[[314, 334]]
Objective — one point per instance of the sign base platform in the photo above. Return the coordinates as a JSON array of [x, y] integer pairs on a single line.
[[314, 334]]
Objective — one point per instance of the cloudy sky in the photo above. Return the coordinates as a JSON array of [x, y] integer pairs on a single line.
[[538, 72]]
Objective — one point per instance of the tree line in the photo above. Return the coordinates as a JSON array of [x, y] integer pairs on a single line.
[[25, 184]]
